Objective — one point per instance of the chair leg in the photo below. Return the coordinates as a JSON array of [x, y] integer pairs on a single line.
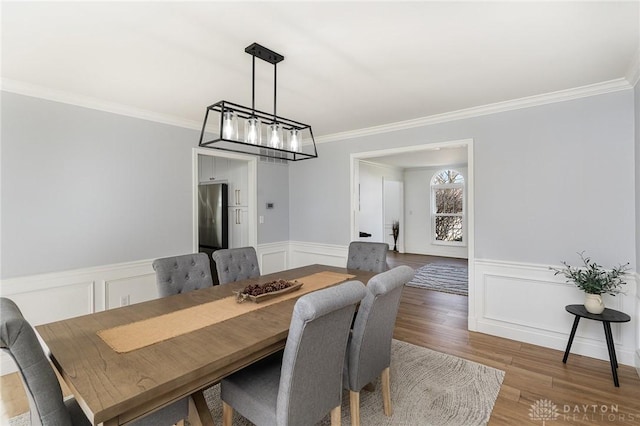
[[354, 399], [386, 392], [335, 416], [227, 414]]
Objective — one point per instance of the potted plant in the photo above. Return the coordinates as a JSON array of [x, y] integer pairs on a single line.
[[594, 280]]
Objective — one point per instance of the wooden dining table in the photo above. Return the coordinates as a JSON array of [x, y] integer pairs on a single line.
[[115, 388]]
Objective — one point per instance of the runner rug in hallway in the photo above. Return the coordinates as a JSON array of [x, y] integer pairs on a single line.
[[442, 277]]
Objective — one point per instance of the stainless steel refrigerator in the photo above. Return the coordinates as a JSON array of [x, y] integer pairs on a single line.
[[213, 225]]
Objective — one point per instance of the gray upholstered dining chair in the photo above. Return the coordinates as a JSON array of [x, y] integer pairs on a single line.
[[46, 404], [236, 264], [367, 256], [179, 274], [368, 352], [303, 384]]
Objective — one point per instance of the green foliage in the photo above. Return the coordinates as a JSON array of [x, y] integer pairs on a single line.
[[593, 278]]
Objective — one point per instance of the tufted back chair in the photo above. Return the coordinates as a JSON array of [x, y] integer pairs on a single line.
[[369, 350], [303, 384], [179, 274], [236, 264], [367, 256]]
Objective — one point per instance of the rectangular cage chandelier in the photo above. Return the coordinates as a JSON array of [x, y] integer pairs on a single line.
[[232, 127]]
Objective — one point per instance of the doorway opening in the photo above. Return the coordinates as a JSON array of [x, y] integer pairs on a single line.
[[237, 173], [409, 162]]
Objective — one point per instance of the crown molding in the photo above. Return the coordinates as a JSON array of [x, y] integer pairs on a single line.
[[530, 101], [27, 89], [633, 74]]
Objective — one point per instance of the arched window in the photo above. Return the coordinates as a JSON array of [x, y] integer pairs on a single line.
[[448, 209]]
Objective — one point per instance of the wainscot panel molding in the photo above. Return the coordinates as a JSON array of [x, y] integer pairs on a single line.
[[273, 257], [56, 296], [81, 291], [526, 302], [519, 301], [303, 253]]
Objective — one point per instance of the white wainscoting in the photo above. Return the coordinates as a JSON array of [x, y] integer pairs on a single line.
[[56, 296], [273, 257], [526, 302], [519, 301], [302, 254]]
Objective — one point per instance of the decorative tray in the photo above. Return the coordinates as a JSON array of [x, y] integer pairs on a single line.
[[246, 293]]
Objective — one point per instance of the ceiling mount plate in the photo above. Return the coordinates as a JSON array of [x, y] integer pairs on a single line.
[[263, 53]]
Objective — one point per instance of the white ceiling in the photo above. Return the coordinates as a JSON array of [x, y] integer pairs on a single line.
[[348, 65]]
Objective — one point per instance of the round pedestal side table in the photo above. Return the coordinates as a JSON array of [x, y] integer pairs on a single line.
[[606, 317]]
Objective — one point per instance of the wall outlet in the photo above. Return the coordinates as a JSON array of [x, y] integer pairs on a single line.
[[261, 219], [124, 300]]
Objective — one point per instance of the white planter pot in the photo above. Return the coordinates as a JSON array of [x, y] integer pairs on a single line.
[[593, 303]]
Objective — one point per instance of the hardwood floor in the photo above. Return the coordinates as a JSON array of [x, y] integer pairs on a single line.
[[417, 260], [582, 390]]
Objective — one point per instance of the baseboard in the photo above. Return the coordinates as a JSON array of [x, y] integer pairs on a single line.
[[526, 302]]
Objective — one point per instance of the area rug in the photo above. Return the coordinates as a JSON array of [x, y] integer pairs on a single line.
[[442, 277], [427, 388]]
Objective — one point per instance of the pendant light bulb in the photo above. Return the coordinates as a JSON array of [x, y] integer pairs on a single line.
[[253, 133], [229, 125], [275, 136], [294, 140]]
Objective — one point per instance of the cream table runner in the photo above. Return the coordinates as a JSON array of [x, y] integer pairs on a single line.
[[136, 335]]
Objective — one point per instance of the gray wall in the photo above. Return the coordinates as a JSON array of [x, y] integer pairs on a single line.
[[83, 188], [273, 187], [550, 181]]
